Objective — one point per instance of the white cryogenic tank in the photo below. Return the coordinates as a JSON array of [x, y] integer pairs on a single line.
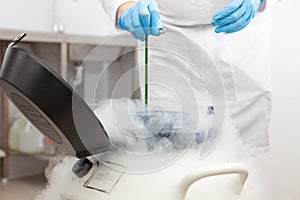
[[184, 178]]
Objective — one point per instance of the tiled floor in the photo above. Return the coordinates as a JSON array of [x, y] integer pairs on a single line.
[[24, 188]]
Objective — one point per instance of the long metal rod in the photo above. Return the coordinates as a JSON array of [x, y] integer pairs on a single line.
[[146, 71], [162, 30]]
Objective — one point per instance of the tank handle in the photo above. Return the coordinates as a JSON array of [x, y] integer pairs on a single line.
[[198, 174]]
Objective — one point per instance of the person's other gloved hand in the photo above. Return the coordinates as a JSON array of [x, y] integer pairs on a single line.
[[235, 16], [141, 19]]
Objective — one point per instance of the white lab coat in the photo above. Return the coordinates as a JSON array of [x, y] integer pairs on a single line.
[[242, 59]]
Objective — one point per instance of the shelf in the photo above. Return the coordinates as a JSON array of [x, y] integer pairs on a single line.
[[39, 156], [122, 40]]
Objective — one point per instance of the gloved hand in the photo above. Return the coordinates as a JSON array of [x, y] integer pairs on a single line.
[[235, 16], [141, 19]]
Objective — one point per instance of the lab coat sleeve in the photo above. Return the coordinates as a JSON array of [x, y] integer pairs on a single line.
[[111, 7], [267, 4], [262, 6]]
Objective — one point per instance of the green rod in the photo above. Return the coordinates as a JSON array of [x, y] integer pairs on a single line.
[[146, 71]]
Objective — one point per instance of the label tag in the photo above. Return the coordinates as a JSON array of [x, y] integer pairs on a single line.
[[105, 177]]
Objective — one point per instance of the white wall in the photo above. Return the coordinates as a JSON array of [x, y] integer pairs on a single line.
[[77, 16], [29, 14], [282, 164], [83, 17]]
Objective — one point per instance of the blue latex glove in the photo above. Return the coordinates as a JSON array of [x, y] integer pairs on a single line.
[[235, 16], [141, 19]]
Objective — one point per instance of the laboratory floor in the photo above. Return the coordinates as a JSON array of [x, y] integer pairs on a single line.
[[22, 188]]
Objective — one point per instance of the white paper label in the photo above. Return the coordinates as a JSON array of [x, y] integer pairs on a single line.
[[105, 177]]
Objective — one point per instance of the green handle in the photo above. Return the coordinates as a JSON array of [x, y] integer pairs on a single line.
[[146, 71]]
